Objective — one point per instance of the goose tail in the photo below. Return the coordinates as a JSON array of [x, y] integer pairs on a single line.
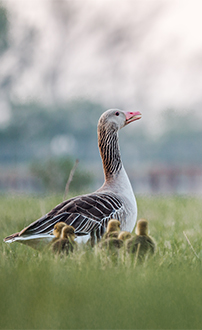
[[11, 238], [37, 242]]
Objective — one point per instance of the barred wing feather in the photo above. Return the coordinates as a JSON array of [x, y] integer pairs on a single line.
[[85, 213]]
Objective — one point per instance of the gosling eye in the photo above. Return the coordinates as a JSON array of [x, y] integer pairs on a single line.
[[117, 113]]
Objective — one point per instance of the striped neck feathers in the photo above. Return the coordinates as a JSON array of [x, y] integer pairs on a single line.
[[109, 149]]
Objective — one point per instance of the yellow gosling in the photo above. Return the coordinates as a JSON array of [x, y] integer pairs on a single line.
[[58, 229], [66, 241], [57, 233], [113, 229], [142, 239], [142, 227]]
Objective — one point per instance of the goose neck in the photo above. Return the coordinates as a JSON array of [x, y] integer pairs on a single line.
[[110, 152]]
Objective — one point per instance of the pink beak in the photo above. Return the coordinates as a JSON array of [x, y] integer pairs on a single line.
[[132, 116]]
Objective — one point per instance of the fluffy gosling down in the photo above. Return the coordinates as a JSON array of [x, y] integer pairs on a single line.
[[113, 229], [56, 233], [58, 229], [66, 241], [142, 243], [125, 235], [110, 238]]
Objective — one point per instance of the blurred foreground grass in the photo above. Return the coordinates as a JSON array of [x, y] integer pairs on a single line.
[[93, 290]]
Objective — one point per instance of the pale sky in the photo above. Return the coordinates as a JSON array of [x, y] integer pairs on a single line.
[[144, 55]]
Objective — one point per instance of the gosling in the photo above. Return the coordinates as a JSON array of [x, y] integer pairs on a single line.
[[66, 241], [110, 239], [57, 233], [111, 243], [58, 229], [142, 243], [113, 229]]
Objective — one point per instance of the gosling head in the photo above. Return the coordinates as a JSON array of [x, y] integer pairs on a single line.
[[142, 227], [68, 232], [58, 229], [124, 235], [113, 225]]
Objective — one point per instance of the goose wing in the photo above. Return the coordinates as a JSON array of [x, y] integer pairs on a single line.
[[85, 213]]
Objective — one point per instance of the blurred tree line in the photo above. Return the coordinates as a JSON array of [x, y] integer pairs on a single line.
[[37, 132], [53, 174], [177, 142], [49, 139]]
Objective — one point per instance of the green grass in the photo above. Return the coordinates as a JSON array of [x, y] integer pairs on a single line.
[[91, 289]]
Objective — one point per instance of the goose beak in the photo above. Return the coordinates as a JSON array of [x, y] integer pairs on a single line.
[[132, 116]]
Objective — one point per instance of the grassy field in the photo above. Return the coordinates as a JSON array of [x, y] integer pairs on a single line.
[[94, 290]]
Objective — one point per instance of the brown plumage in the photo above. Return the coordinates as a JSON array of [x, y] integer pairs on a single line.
[[113, 229], [66, 241], [142, 242]]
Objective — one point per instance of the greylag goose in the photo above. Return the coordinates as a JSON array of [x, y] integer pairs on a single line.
[[142, 243], [66, 242], [89, 214], [113, 229]]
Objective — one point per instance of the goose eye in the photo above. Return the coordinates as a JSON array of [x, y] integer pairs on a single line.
[[117, 113]]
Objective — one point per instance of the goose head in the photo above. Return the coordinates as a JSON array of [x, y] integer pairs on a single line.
[[142, 227], [116, 119], [58, 229]]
